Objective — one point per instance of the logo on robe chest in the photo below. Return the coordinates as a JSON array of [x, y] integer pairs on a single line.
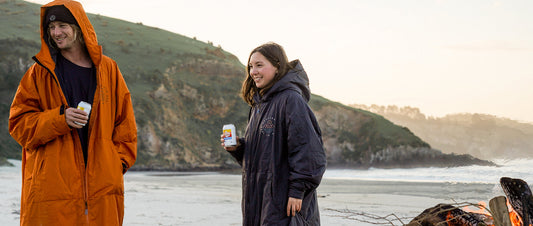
[[268, 126]]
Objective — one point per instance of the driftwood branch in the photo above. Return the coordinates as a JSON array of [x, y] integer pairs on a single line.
[[369, 218], [394, 220]]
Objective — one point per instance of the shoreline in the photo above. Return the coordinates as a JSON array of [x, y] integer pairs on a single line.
[[337, 166]]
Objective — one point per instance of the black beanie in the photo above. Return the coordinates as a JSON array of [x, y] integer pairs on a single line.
[[58, 13]]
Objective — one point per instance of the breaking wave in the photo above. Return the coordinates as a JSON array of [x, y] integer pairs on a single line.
[[517, 168]]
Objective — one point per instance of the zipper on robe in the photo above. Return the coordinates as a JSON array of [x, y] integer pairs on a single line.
[[86, 161], [85, 185]]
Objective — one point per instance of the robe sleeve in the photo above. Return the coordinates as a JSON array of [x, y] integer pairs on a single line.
[[29, 124], [125, 131], [307, 159], [238, 154]]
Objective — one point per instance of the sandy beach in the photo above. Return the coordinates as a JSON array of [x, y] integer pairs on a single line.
[[165, 198], [214, 199]]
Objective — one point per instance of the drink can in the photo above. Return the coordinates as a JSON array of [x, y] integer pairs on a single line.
[[228, 131], [85, 107]]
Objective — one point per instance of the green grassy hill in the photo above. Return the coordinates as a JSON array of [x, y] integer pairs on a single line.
[[184, 90]]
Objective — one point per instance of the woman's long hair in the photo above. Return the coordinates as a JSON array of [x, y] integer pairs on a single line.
[[275, 54]]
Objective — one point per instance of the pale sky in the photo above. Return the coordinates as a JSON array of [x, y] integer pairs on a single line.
[[442, 56]]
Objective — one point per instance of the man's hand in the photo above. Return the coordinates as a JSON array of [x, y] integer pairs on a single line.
[[73, 115]]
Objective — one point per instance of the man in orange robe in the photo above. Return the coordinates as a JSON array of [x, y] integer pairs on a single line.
[[72, 161]]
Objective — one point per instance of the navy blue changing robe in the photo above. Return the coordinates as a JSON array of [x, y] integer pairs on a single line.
[[281, 154]]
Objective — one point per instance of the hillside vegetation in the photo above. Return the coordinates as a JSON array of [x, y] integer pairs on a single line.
[[184, 90], [481, 135]]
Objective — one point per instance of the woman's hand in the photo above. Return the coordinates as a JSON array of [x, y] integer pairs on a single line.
[[73, 115], [293, 205], [229, 148]]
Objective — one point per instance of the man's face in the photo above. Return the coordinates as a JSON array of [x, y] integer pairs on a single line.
[[62, 34]]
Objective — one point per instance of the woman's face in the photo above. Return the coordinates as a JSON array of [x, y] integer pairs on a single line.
[[261, 70]]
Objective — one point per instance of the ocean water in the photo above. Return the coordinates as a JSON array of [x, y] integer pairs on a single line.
[[515, 168]]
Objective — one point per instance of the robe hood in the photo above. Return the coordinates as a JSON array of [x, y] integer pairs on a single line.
[[46, 55], [296, 79]]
